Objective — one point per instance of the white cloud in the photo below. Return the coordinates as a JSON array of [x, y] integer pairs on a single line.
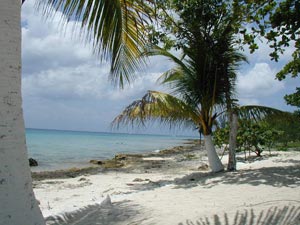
[[47, 45], [66, 87], [57, 66], [83, 81], [257, 83], [249, 101], [138, 88]]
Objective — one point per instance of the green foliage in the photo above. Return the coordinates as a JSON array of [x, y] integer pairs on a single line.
[[291, 68], [252, 136], [221, 136], [186, 20], [293, 99], [289, 125], [256, 136], [115, 28], [279, 23], [294, 144]]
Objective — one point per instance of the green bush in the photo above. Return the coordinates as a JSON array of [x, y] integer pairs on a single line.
[[252, 136]]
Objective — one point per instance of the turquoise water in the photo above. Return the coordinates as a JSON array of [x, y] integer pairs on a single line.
[[55, 149]]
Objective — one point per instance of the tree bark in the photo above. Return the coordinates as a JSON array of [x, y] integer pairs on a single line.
[[213, 158], [18, 205], [233, 120], [200, 140]]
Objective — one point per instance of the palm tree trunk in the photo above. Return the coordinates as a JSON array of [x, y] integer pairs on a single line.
[[200, 140], [213, 158], [18, 205], [233, 120]]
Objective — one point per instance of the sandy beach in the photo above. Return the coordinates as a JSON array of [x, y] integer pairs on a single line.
[[174, 187]]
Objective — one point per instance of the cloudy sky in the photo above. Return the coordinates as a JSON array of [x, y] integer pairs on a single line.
[[66, 87]]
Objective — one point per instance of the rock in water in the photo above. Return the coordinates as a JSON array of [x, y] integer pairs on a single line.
[[120, 156], [97, 162], [33, 162]]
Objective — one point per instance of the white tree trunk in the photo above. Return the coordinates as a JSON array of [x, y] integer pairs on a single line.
[[213, 158], [18, 205]]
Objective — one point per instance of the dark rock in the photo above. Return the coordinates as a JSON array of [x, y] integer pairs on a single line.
[[82, 179], [120, 157], [138, 180], [112, 164], [98, 162], [203, 167], [33, 162]]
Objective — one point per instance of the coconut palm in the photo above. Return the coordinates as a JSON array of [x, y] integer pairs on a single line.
[[204, 78], [114, 27], [17, 201], [198, 92], [171, 110]]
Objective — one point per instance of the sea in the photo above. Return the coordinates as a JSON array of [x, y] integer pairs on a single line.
[[58, 149]]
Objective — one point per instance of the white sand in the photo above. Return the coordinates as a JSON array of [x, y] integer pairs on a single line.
[[184, 197]]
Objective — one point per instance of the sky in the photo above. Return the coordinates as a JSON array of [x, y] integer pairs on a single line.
[[66, 87]]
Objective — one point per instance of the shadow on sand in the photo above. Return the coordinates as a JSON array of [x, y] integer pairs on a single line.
[[288, 215], [288, 176], [124, 212]]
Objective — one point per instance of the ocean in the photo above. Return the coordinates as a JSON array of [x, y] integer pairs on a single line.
[[56, 149]]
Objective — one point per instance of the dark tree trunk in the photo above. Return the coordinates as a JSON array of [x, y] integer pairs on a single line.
[[233, 121], [200, 134]]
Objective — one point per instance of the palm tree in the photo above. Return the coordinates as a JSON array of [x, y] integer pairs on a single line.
[[198, 93], [17, 201], [114, 27], [204, 32], [171, 110]]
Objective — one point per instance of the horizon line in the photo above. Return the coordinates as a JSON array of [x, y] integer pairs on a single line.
[[108, 132]]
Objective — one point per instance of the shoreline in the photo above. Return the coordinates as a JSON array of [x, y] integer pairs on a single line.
[[61, 150], [122, 162]]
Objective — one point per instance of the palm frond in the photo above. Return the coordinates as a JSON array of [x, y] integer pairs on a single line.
[[156, 50], [170, 76], [257, 112], [115, 28], [158, 106]]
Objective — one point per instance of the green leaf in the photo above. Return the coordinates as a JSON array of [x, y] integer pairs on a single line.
[[115, 28]]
